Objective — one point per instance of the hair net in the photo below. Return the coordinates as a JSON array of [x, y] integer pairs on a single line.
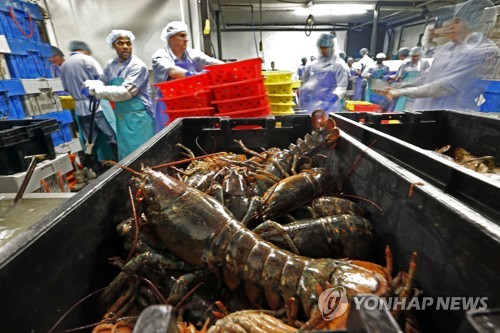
[[56, 51], [76, 45], [363, 51], [173, 28], [416, 51], [115, 34], [342, 55], [472, 12], [325, 40], [404, 51], [349, 59], [380, 56]]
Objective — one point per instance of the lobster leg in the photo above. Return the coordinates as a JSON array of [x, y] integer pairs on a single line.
[[181, 286], [275, 229], [254, 204]]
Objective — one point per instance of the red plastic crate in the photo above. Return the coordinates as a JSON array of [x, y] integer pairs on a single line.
[[238, 104], [247, 88], [235, 71], [201, 112], [250, 113], [200, 99], [184, 86]]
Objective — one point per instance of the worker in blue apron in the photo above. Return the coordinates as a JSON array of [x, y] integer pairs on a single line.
[[175, 61], [325, 80], [376, 72], [125, 82], [410, 70]]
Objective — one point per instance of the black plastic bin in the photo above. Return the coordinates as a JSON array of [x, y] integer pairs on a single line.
[[19, 138], [411, 143], [64, 257]]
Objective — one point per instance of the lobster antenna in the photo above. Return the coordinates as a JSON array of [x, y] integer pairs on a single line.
[[355, 164], [108, 162]]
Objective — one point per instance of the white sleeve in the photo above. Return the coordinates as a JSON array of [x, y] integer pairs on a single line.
[[115, 93]]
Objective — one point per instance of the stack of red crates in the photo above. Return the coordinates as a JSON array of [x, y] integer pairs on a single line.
[[238, 88], [187, 97]]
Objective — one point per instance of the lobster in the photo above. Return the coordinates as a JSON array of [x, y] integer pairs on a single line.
[[337, 236], [201, 231]]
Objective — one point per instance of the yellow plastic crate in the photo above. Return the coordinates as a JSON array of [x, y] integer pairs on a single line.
[[67, 102], [282, 107], [277, 76], [361, 106], [296, 84], [284, 113], [280, 98], [279, 88]]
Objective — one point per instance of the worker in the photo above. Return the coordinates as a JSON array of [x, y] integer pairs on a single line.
[[302, 67], [455, 79], [56, 61], [325, 81], [361, 66], [377, 71], [175, 61], [403, 53], [78, 68], [125, 81], [410, 70], [351, 78]]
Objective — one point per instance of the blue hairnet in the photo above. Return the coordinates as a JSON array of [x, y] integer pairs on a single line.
[[56, 51], [404, 51], [115, 34], [416, 51], [325, 40], [363, 51], [471, 12], [342, 55], [76, 45], [173, 28]]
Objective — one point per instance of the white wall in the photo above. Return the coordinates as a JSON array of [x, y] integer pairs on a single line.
[[92, 20], [285, 48], [410, 35]]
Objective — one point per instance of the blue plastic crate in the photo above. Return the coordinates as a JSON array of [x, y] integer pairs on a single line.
[[10, 98], [492, 97], [64, 120], [33, 10], [18, 23]]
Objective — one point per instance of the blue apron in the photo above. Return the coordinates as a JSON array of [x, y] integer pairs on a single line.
[[318, 95], [368, 94], [401, 101], [134, 125]]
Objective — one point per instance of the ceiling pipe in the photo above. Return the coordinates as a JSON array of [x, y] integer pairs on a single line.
[[284, 29], [373, 42]]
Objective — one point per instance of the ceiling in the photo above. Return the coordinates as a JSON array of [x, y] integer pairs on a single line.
[[276, 15]]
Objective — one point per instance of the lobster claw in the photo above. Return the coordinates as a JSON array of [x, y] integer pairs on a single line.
[[322, 123]]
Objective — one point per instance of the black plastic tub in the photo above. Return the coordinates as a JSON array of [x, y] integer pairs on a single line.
[[412, 140], [64, 257], [19, 138]]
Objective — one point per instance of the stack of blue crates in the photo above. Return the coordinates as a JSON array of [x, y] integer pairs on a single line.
[[29, 59]]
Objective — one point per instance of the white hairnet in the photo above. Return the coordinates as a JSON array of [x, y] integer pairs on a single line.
[[380, 56], [472, 12], [115, 34], [363, 51], [416, 51], [173, 28], [404, 51]]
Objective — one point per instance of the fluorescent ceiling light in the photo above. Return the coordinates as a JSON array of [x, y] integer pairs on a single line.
[[334, 9]]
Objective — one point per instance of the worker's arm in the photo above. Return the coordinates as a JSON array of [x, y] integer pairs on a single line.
[[434, 89]]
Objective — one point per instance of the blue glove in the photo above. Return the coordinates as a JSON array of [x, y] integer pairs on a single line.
[[190, 73], [333, 99], [86, 92]]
